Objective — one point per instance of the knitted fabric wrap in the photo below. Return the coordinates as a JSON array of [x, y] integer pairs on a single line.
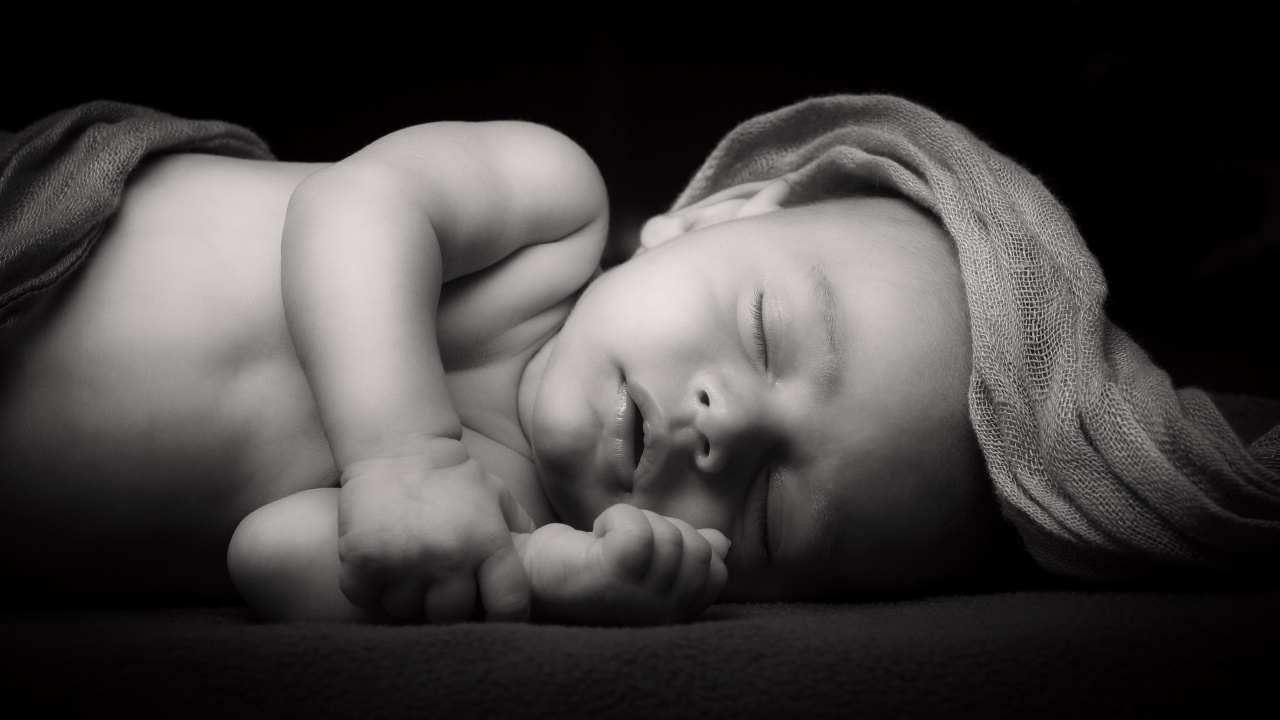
[[1108, 473], [62, 178]]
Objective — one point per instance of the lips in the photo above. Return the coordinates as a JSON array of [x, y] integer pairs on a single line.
[[620, 438], [634, 440], [648, 436]]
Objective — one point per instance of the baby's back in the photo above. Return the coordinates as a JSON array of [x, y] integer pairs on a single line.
[[155, 399]]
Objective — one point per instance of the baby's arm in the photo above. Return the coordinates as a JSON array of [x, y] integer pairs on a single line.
[[283, 559], [636, 568], [367, 244]]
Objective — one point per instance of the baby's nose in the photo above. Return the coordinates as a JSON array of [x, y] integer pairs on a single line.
[[728, 422]]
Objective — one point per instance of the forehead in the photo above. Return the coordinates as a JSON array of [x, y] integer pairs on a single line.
[[883, 234]]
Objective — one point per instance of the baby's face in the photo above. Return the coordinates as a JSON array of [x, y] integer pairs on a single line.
[[796, 380]]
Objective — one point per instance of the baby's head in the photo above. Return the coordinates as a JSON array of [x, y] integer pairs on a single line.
[[847, 400], [794, 377]]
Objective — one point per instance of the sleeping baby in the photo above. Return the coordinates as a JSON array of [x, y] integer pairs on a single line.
[[860, 352]]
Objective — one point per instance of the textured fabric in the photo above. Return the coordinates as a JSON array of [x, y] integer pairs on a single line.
[[1038, 654], [1107, 471], [62, 177]]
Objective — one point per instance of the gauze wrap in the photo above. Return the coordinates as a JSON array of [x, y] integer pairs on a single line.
[[62, 179], [1108, 472]]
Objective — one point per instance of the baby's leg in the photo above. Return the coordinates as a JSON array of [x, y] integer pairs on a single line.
[[283, 559]]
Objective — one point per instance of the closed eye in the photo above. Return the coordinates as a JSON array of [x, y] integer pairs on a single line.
[[757, 318]]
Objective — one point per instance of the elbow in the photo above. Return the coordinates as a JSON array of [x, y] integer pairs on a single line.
[[258, 565], [283, 560]]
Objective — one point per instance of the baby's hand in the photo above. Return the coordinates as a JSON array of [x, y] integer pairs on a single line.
[[419, 534], [635, 568]]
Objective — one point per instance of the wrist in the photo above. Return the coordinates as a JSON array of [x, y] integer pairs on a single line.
[[408, 454]]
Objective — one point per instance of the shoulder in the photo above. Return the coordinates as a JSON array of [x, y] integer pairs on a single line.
[[516, 162], [483, 190]]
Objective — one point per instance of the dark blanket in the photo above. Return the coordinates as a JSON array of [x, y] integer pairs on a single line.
[[61, 180], [1027, 654]]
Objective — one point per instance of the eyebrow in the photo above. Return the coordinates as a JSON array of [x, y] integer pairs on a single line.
[[831, 365]]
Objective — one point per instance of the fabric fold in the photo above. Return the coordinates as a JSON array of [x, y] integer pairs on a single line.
[[62, 178]]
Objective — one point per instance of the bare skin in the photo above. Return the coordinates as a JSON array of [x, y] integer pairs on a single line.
[[160, 417], [157, 400]]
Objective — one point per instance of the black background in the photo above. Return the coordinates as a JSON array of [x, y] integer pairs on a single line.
[[1155, 128]]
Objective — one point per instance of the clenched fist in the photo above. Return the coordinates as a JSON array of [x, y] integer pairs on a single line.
[[635, 568], [422, 536]]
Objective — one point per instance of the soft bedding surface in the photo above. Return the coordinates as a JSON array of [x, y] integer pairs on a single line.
[[1044, 653]]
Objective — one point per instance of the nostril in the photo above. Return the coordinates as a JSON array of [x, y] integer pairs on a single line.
[[704, 398]]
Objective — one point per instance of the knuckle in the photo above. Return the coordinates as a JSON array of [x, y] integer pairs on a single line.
[[667, 535], [624, 513], [644, 535], [359, 555], [684, 526], [627, 518], [653, 517], [698, 552]]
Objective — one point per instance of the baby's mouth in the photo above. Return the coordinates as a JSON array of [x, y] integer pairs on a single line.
[[637, 433], [646, 436]]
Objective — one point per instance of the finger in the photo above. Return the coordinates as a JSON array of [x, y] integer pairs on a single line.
[[361, 588], [517, 519], [668, 546], [504, 586], [717, 576], [450, 599], [695, 562], [628, 541], [403, 600], [718, 541]]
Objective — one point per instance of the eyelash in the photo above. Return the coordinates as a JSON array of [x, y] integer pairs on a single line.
[[757, 315]]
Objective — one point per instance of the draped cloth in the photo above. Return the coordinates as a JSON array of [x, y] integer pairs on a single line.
[[62, 179], [1108, 473]]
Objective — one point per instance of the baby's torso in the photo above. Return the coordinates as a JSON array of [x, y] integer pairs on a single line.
[[155, 399]]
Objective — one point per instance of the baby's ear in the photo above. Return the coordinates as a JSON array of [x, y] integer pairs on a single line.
[[739, 201]]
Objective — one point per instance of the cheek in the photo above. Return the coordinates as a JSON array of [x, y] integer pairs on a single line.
[[563, 463], [652, 298], [562, 424], [900, 532]]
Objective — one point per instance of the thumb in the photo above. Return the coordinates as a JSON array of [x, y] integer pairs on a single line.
[[517, 518], [718, 541], [504, 586]]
